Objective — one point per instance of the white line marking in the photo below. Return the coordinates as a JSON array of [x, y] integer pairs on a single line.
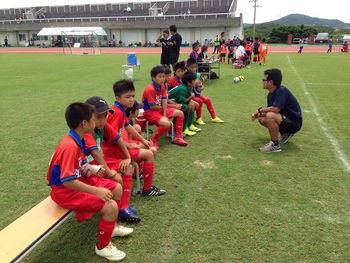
[[332, 140]]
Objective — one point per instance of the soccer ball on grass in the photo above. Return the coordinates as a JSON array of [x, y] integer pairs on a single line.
[[236, 79]]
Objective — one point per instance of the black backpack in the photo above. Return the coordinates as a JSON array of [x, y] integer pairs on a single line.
[[213, 75]]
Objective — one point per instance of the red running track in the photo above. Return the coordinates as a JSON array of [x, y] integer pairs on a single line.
[[155, 50]]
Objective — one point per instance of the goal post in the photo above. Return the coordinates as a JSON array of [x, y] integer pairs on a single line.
[[81, 43]]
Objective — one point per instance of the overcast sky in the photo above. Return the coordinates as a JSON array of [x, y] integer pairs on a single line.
[[268, 10]]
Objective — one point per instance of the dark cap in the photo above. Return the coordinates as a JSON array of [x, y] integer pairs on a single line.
[[100, 104], [135, 107]]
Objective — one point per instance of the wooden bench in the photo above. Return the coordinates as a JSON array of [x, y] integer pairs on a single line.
[[22, 235]]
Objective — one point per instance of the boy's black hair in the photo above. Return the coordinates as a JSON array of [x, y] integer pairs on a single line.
[[195, 44], [204, 48], [263, 39], [157, 70], [180, 64], [188, 77], [77, 112], [275, 75], [167, 70], [122, 86], [190, 61], [166, 31]]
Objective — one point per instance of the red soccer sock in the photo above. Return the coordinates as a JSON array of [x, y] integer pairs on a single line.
[[124, 201], [148, 168], [179, 121], [211, 110], [105, 230], [159, 131]]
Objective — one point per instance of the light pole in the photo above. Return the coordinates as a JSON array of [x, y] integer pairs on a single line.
[[255, 6]]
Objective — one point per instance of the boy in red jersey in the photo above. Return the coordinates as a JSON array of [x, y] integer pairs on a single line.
[[200, 98], [154, 99], [139, 149], [179, 70], [93, 144], [74, 187]]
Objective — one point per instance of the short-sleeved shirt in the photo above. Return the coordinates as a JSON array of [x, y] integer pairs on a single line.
[[193, 54], [262, 48], [153, 95], [66, 160], [93, 140], [173, 82], [285, 100]]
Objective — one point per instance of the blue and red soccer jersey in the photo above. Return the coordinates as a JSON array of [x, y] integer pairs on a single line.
[[153, 95], [66, 160]]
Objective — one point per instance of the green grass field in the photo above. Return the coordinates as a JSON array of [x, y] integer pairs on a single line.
[[225, 201]]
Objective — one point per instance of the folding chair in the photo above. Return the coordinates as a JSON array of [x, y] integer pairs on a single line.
[[137, 189]]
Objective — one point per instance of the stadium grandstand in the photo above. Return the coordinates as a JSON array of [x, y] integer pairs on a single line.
[[125, 22]]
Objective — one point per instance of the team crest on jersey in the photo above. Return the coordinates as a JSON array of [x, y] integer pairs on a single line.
[[158, 100]]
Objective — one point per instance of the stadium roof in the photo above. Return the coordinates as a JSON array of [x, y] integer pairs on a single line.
[[54, 31]]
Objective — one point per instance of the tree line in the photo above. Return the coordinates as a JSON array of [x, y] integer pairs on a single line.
[[276, 33]]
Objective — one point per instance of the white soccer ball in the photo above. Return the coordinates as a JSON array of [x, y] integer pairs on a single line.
[[236, 79]]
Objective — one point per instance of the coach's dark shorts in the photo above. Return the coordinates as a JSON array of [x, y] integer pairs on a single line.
[[287, 126]]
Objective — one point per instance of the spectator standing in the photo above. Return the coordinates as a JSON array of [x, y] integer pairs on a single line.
[[163, 38], [216, 44], [256, 45], [263, 48], [330, 44], [175, 44]]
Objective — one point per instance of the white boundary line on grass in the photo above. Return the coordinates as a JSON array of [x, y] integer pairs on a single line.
[[341, 155]]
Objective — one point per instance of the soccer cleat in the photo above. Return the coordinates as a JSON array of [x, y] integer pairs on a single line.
[[154, 143], [188, 132], [179, 141], [200, 121], [285, 137], [270, 148], [153, 191], [194, 128], [127, 215], [133, 209], [121, 231], [217, 120], [110, 252]]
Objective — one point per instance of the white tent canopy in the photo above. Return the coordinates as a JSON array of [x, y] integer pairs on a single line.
[[54, 31]]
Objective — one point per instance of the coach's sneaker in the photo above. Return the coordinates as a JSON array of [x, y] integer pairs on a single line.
[[200, 121], [188, 132], [121, 231], [179, 141], [270, 148], [285, 137], [110, 252], [194, 128], [217, 120], [153, 191], [127, 215]]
